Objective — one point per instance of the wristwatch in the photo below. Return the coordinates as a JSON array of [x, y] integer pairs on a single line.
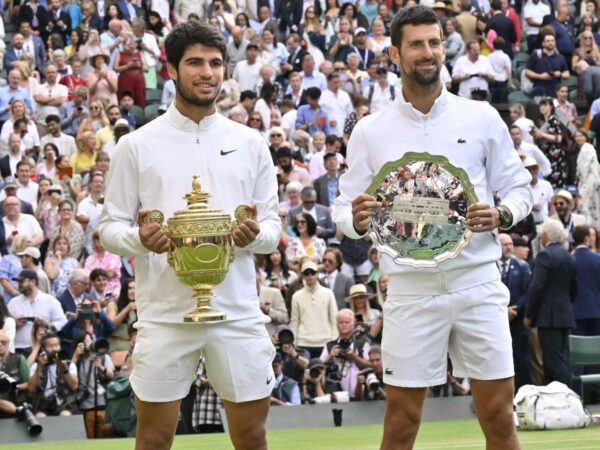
[[505, 217]]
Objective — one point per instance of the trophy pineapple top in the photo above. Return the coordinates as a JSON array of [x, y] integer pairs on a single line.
[[197, 205]]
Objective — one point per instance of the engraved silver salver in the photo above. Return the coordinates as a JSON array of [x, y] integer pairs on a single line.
[[424, 201]]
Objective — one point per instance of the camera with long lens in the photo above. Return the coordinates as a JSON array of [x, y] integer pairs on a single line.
[[98, 347], [7, 383], [25, 414], [345, 345], [55, 357], [24, 411], [371, 379]]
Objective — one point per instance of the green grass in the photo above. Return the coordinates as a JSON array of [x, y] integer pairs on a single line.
[[456, 435]]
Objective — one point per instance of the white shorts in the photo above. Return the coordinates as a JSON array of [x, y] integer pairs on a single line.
[[239, 356], [471, 325]]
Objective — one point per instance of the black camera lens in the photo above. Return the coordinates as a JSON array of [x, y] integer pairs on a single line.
[[314, 372]]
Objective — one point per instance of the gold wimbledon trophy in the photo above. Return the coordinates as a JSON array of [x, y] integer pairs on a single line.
[[202, 247]]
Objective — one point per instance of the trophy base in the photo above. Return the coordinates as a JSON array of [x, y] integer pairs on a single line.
[[204, 316]]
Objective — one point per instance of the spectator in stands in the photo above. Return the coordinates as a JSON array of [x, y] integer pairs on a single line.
[[73, 112], [123, 314], [455, 46], [526, 149], [15, 366], [313, 386], [320, 213], [245, 105], [55, 21], [586, 307], [333, 278], [357, 19], [14, 52], [342, 42], [294, 90], [59, 264], [77, 41], [8, 163], [105, 134], [546, 68], [84, 159], [379, 92], [10, 267], [16, 222], [534, 12], [549, 138], [246, 72], [126, 103], [53, 380], [277, 273], [358, 301], [64, 144], [95, 322], [306, 243], [563, 28], [518, 118], [564, 205], [78, 283], [585, 63], [18, 114], [101, 80], [69, 228], [30, 259], [472, 70], [292, 191], [313, 317], [101, 259], [47, 211], [131, 65], [345, 355], [336, 103], [289, 170], [589, 178], [542, 192], [501, 67], [326, 185], [312, 117], [11, 92], [552, 289], [255, 121], [27, 190], [146, 43]]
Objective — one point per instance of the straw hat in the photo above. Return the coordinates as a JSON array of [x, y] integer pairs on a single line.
[[359, 290]]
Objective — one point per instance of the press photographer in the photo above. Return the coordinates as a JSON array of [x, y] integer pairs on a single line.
[[295, 360], [314, 380], [53, 380], [369, 382], [88, 318], [14, 375], [343, 357], [94, 369]]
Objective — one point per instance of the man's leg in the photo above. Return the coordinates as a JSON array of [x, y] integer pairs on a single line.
[[402, 417], [156, 424], [246, 421], [493, 403]]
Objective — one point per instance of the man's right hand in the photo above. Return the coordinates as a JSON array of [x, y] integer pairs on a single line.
[[152, 235], [363, 209]]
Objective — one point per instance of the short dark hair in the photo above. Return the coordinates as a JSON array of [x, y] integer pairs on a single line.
[[52, 118], [46, 336], [332, 75], [19, 122], [499, 42], [311, 224], [22, 163], [313, 92], [247, 94], [283, 152], [53, 147], [414, 15], [332, 139], [187, 34], [96, 273], [580, 232], [329, 155]]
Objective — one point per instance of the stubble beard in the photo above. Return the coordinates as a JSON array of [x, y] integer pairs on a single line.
[[192, 98], [426, 80]]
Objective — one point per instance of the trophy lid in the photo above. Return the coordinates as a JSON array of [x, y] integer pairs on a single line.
[[197, 204]]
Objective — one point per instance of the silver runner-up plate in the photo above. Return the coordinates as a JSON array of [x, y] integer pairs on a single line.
[[422, 218]]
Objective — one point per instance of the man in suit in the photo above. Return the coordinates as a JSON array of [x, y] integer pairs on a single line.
[[79, 282], [333, 278], [515, 275], [14, 52], [552, 289], [33, 45], [586, 306], [297, 54], [326, 185], [504, 27], [56, 21], [8, 163], [320, 213]]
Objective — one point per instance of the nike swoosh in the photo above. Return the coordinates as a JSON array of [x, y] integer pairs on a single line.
[[269, 380], [223, 152]]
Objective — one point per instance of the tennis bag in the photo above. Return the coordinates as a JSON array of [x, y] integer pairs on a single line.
[[552, 407]]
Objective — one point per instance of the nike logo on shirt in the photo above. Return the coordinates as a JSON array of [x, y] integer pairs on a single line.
[[223, 152]]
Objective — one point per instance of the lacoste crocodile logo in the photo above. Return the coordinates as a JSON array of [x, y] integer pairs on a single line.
[[389, 371]]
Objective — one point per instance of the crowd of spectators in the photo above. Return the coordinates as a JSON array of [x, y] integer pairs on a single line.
[[79, 75]]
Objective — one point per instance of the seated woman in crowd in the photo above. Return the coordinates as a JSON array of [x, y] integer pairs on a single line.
[[307, 243], [59, 264], [101, 259], [70, 182], [358, 300], [69, 228], [85, 158], [18, 110], [277, 273]]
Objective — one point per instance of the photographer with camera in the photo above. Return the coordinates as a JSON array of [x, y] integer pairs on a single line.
[[286, 391], [369, 382], [343, 357], [295, 360], [94, 370], [314, 380], [14, 375], [53, 380], [88, 318]]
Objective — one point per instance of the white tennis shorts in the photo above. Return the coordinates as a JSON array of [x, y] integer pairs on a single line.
[[239, 356], [471, 325]]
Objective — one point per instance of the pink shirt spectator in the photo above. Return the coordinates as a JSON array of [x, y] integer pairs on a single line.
[[108, 262]]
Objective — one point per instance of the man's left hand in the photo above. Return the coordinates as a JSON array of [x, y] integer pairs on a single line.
[[247, 229], [482, 217]]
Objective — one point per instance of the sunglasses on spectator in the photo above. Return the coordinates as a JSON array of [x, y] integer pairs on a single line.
[[282, 216], [309, 272], [94, 107], [300, 222], [276, 135], [559, 203], [327, 260], [253, 119]]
